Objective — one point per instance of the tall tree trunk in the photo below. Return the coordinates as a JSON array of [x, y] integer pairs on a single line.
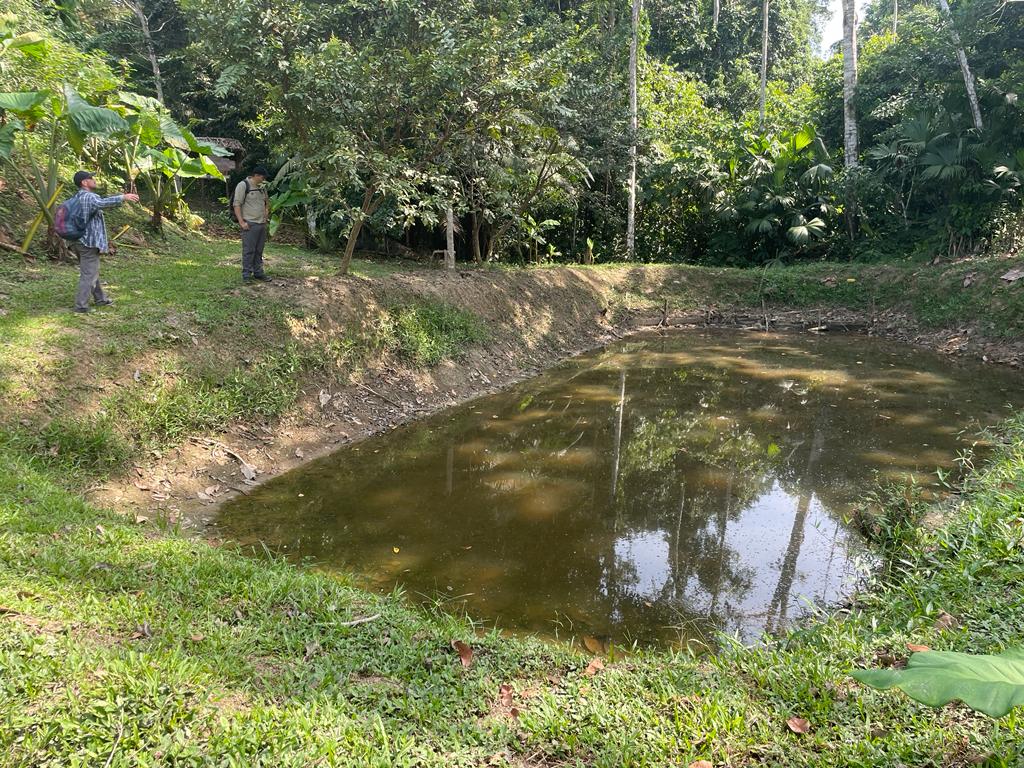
[[475, 227], [634, 42], [895, 14], [764, 61], [716, 10], [449, 254], [147, 39], [353, 234], [849, 82], [850, 136], [965, 68]]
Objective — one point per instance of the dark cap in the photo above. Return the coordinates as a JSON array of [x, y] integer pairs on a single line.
[[261, 170], [82, 176]]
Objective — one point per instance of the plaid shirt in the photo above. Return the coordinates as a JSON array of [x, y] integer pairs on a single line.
[[92, 210]]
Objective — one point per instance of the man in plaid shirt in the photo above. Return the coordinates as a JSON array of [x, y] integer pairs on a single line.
[[94, 241]]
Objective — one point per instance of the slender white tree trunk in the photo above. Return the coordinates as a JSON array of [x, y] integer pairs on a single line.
[[716, 10], [634, 42], [849, 82], [147, 39], [895, 14], [449, 255], [965, 68], [764, 60]]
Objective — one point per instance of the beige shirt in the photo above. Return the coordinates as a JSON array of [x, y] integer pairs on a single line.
[[253, 205]]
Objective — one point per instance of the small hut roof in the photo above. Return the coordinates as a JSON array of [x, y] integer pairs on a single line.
[[233, 144]]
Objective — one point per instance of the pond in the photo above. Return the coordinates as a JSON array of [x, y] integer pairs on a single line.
[[659, 490]]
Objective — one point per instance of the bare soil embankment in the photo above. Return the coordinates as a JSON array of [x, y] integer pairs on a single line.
[[534, 318]]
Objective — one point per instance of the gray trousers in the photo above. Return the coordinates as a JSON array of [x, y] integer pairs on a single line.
[[88, 276], [253, 240]]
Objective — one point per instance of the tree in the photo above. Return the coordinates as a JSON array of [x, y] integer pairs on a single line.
[[850, 149], [633, 125], [965, 69], [764, 61]]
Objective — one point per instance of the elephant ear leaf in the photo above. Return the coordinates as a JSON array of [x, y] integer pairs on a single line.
[[992, 684], [85, 120]]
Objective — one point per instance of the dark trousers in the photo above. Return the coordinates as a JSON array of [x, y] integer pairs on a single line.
[[253, 240], [88, 276]]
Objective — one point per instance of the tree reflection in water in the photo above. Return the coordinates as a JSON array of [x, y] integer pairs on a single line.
[[659, 490]]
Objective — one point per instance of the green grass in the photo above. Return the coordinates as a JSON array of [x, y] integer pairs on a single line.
[[209, 351], [425, 333]]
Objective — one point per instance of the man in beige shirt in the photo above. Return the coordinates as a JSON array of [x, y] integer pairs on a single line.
[[252, 209]]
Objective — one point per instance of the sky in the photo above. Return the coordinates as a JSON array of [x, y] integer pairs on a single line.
[[834, 26]]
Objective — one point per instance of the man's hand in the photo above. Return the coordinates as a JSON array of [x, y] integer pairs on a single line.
[[244, 225], [131, 197]]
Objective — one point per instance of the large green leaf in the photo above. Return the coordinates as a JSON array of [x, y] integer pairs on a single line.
[[30, 43], [25, 104], [85, 120], [986, 683]]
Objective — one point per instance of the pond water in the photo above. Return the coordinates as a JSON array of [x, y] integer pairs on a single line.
[[655, 491]]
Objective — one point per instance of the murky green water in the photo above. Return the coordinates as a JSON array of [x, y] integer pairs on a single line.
[[656, 490]]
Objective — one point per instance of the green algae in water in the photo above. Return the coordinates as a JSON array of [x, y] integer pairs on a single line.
[[662, 489]]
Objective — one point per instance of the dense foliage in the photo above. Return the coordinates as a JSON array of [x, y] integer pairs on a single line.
[[380, 117]]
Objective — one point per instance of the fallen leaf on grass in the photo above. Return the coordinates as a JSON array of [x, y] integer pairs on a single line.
[[514, 713], [142, 486], [505, 695], [798, 725], [595, 666], [142, 631], [312, 649], [197, 638], [945, 622], [701, 764], [917, 648], [464, 651]]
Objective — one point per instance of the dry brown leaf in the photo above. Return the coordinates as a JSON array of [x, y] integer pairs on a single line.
[[1013, 275], [514, 713], [798, 725], [505, 695], [197, 638], [701, 764], [595, 666], [595, 644], [142, 631], [946, 622], [464, 651], [914, 647]]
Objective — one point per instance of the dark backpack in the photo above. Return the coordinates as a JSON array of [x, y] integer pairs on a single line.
[[68, 220]]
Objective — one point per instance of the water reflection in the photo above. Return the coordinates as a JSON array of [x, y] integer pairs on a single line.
[[663, 487]]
